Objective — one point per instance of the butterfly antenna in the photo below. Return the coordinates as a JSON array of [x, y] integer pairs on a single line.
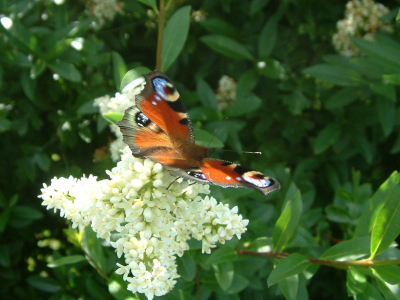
[[216, 131], [243, 151]]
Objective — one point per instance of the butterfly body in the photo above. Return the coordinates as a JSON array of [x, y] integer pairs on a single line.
[[158, 127]]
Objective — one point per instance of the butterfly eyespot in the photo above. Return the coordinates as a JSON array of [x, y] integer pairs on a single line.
[[197, 175], [142, 120], [238, 178]]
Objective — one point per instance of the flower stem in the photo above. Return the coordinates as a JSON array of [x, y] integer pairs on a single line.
[[161, 19]]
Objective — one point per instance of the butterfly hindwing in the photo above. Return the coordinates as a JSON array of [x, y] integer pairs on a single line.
[[229, 174]]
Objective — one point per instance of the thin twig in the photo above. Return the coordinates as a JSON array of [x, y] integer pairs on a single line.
[[198, 281], [161, 18]]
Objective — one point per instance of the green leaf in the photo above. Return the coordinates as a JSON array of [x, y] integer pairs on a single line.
[[28, 85], [224, 254], [247, 82], [27, 213], [368, 216], [386, 90], [370, 293], [292, 265], [132, 75], [93, 248], [206, 94], [151, 3], [343, 97], [218, 26], [348, 250], [244, 105], [390, 274], [389, 291], [186, 267], [267, 37], [88, 108], [37, 69], [226, 46], [384, 52], [257, 5], [334, 74], [96, 290], [366, 148], [387, 114], [387, 223], [271, 68], [175, 35], [338, 214], [66, 70], [224, 274], [356, 282], [391, 79], [203, 138], [118, 288], [113, 117], [46, 284], [398, 16], [287, 223], [42, 161], [327, 137], [239, 283], [4, 218], [66, 260], [119, 68], [289, 287]]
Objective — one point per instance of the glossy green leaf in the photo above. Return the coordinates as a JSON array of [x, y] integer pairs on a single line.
[[118, 288], [348, 250], [88, 108], [389, 291], [206, 94], [334, 74], [370, 293], [390, 274], [175, 35], [327, 137], [356, 282], [134, 77], [244, 105], [387, 223], [367, 219], [226, 46], [66, 260], [338, 214], [113, 117], [119, 68], [224, 274], [66, 70], [186, 267], [224, 254], [287, 223], [289, 287], [267, 37], [386, 114], [290, 266]]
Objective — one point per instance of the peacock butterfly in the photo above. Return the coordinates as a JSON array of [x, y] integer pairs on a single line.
[[158, 127]]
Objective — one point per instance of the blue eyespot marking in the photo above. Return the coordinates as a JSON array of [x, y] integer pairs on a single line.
[[238, 178], [159, 85], [157, 97], [154, 102]]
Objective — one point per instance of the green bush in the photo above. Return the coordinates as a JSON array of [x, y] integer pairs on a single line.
[[326, 124]]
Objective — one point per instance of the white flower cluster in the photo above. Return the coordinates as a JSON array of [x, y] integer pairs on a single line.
[[119, 103], [226, 92], [362, 19], [103, 10], [153, 213]]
